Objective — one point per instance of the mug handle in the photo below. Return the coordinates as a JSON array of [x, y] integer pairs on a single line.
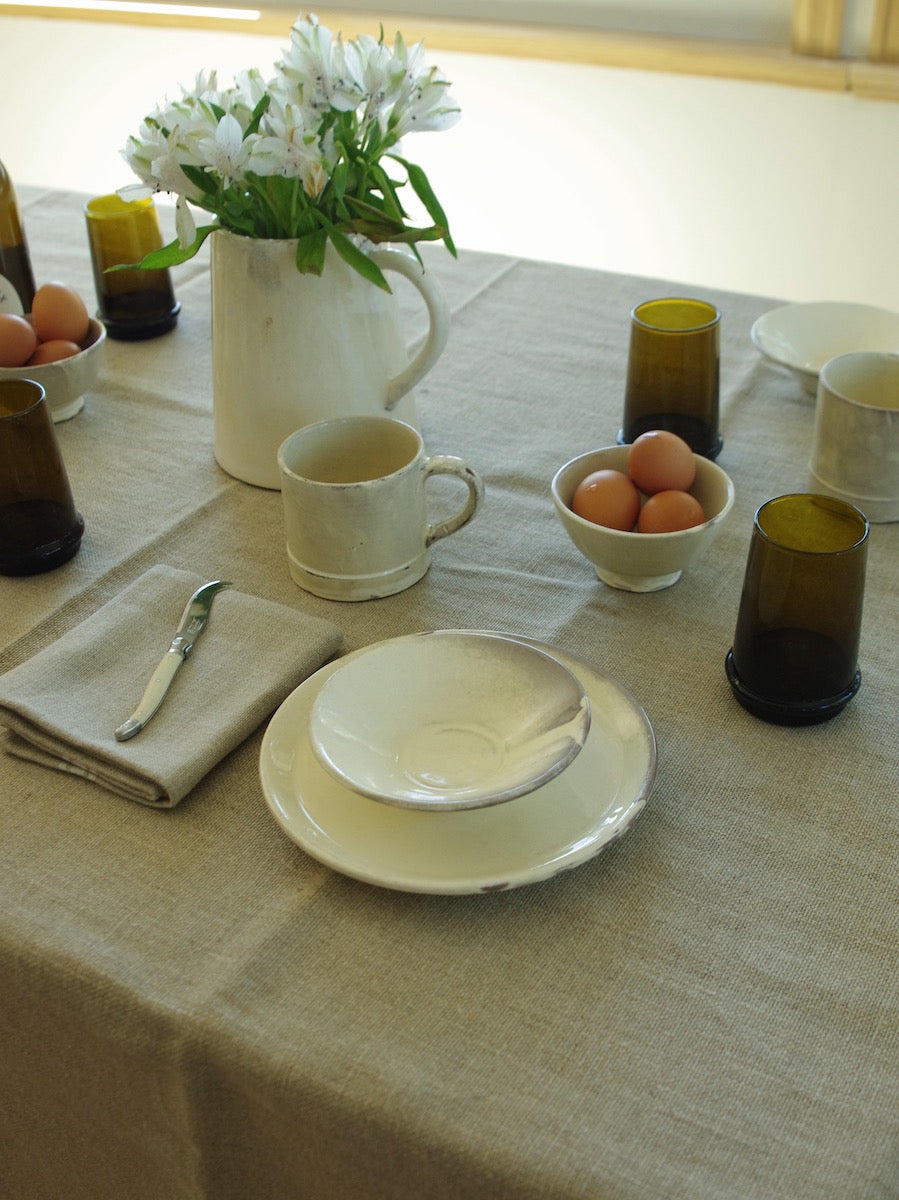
[[438, 327], [446, 464]]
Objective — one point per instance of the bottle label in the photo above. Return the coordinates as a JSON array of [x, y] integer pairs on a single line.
[[9, 298]]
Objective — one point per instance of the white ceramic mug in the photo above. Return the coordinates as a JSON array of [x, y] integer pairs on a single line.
[[355, 509], [855, 451]]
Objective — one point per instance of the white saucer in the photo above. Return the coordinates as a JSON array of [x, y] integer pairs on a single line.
[[804, 337], [528, 839]]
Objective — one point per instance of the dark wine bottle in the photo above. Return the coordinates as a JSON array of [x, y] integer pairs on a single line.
[[15, 263]]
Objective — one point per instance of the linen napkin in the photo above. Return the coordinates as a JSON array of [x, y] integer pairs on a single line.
[[61, 707]]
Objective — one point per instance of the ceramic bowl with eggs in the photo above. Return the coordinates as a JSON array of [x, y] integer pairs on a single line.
[[626, 558], [57, 345]]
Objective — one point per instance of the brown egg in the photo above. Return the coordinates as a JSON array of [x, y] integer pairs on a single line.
[[53, 351], [668, 511], [58, 314], [17, 340], [659, 461], [607, 498]]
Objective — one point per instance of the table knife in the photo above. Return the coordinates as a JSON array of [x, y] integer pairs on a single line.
[[193, 622]]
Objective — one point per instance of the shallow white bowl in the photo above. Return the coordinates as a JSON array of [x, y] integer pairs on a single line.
[[804, 337], [641, 562], [66, 381], [448, 720]]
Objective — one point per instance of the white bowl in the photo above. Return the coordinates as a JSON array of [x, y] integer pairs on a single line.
[[448, 720], [641, 562], [804, 336], [66, 381]]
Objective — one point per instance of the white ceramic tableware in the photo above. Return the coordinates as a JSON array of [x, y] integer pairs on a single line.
[[561, 825], [804, 336], [641, 562], [448, 720], [355, 506], [66, 381], [310, 347], [855, 448]]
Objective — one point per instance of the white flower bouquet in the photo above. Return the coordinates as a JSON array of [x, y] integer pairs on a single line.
[[300, 155]]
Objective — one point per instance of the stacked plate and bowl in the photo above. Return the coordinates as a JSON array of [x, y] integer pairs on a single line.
[[457, 761]]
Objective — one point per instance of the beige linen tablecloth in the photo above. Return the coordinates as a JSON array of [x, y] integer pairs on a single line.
[[191, 1008]]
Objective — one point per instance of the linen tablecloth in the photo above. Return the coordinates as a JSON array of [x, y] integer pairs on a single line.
[[192, 1008]]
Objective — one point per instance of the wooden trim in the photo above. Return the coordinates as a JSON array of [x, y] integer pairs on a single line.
[[729, 60], [885, 32], [875, 81], [817, 27], [751, 62]]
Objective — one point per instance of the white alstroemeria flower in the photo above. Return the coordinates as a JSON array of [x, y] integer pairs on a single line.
[[427, 107], [135, 191], [185, 225], [406, 66], [316, 66], [155, 159], [374, 67], [315, 180], [226, 153], [329, 106]]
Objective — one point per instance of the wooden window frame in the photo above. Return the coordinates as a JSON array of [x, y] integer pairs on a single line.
[[885, 33], [813, 59], [817, 27]]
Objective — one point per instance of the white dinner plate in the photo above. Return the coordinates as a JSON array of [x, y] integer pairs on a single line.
[[528, 839]]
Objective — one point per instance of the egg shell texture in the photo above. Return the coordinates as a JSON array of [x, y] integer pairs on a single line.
[[59, 314], [660, 461], [17, 340]]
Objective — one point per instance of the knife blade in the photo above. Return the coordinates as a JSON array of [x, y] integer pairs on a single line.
[[193, 621]]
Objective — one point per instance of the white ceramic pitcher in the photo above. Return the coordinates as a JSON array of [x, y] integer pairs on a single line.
[[290, 349]]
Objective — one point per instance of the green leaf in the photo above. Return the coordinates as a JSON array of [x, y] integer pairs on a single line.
[[258, 113], [339, 180], [199, 178], [388, 191], [311, 252], [171, 255], [425, 193], [360, 262]]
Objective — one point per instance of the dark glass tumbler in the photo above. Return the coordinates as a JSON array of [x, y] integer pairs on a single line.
[[134, 304], [39, 527], [673, 373], [794, 659]]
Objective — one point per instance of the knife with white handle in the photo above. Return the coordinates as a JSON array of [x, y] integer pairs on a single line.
[[193, 622]]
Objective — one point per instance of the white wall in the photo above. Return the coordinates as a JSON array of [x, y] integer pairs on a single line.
[[779, 191]]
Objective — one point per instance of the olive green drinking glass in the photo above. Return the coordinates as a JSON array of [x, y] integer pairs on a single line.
[[39, 527], [673, 373], [794, 660], [133, 304]]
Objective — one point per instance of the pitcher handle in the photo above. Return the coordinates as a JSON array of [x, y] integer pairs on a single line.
[[439, 321], [447, 464]]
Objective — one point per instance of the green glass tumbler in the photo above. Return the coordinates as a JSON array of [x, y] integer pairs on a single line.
[[794, 660], [673, 370], [39, 527], [133, 304]]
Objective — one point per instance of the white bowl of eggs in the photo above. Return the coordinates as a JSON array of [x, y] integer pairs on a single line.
[[642, 513], [58, 345]]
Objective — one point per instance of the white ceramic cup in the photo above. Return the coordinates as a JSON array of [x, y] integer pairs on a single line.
[[855, 449], [355, 509]]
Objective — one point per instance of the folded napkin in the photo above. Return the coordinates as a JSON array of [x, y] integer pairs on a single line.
[[62, 706]]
